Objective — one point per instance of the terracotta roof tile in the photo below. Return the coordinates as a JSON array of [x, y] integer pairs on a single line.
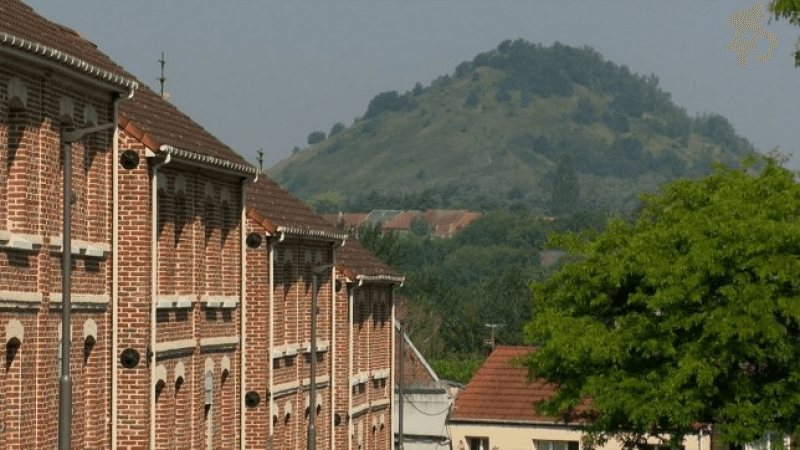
[[499, 391], [282, 209], [361, 261], [159, 121], [402, 221]]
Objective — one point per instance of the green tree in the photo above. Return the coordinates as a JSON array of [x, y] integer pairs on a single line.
[[566, 191], [690, 315], [315, 137], [789, 10], [384, 245], [337, 128]]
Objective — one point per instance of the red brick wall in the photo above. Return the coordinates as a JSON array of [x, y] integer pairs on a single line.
[[31, 204]]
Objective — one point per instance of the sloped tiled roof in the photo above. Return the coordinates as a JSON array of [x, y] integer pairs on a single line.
[[357, 261], [499, 391], [21, 21], [280, 210], [151, 119], [402, 221]]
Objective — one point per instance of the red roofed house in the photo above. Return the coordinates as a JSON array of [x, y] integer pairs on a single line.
[[495, 411]]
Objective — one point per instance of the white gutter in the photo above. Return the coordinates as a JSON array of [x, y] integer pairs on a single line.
[[243, 313], [154, 295], [64, 63], [271, 335], [350, 374], [379, 278], [115, 269], [316, 233], [205, 161]]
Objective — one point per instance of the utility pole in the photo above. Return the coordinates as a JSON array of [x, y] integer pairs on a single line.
[[65, 382], [312, 403], [401, 395]]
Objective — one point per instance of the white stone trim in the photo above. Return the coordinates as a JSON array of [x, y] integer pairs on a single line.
[[380, 374], [161, 181], [322, 380], [359, 378], [278, 351], [160, 374], [382, 402], [291, 350], [175, 345], [16, 296], [66, 109], [56, 297], [359, 409], [180, 185], [225, 364], [225, 196], [209, 366], [14, 329], [180, 371], [16, 90], [19, 241], [89, 330], [280, 389], [91, 249], [219, 341], [90, 116], [287, 408]]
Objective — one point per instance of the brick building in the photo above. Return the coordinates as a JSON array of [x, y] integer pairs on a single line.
[[178, 339], [363, 355]]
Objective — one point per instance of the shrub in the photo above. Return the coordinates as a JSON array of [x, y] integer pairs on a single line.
[[315, 137]]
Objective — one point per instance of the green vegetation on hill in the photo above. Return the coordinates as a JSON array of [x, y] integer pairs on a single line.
[[455, 286], [492, 135]]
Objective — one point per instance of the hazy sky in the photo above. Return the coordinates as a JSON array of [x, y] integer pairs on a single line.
[[264, 74]]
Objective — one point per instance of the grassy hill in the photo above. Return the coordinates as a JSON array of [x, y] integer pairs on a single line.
[[493, 133]]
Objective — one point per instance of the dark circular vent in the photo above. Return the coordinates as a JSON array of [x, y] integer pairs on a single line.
[[338, 285], [253, 240], [337, 419], [129, 358], [129, 159], [252, 399]]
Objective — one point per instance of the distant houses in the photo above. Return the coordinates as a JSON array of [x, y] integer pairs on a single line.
[[443, 223], [496, 411]]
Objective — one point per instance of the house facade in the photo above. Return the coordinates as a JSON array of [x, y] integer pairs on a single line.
[[190, 290], [495, 411]]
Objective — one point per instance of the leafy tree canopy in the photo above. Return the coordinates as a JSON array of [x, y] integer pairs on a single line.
[[690, 315], [789, 10]]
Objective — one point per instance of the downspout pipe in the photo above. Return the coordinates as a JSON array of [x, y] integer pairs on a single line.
[[271, 256], [350, 374], [154, 294], [115, 269], [243, 312]]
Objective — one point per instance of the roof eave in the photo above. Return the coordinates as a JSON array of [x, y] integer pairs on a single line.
[[391, 279], [64, 62], [322, 234], [210, 162]]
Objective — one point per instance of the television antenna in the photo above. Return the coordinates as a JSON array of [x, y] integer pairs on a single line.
[[162, 78]]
